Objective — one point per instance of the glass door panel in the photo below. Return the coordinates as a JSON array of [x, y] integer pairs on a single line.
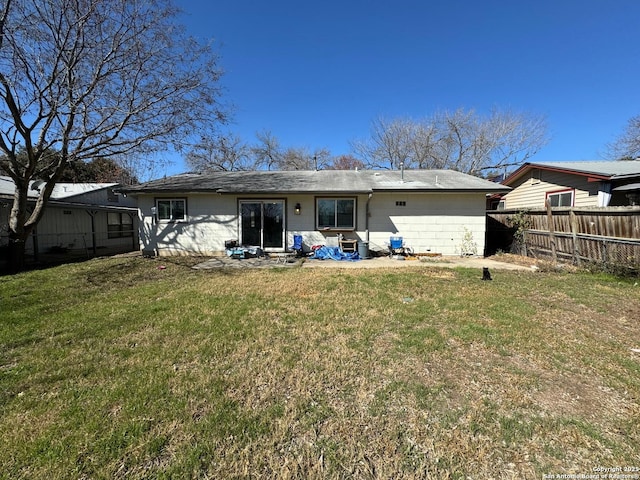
[[262, 224], [272, 224], [251, 221]]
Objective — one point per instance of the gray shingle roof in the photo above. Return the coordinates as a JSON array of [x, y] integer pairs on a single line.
[[612, 169], [322, 181]]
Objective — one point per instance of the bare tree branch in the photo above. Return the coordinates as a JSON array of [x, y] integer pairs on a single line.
[[220, 153], [627, 145], [459, 140]]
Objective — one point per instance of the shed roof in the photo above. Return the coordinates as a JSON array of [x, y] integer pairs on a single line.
[[60, 191], [321, 181], [63, 195]]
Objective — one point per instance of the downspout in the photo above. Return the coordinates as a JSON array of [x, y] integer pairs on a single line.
[[134, 241], [92, 214], [366, 218]]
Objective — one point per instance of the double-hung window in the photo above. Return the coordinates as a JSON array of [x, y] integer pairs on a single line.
[[336, 213], [562, 198], [171, 209]]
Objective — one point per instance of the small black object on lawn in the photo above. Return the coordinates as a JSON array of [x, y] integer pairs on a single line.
[[485, 273]]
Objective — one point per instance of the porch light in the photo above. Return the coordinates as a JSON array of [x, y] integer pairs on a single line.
[[297, 209]]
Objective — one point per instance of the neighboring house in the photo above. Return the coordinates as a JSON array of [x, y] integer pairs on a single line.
[[86, 217], [571, 184], [435, 211]]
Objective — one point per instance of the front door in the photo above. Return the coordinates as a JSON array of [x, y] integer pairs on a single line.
[[262, 224]]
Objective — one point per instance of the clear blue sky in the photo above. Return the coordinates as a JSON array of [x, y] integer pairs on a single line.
[[315, 74]]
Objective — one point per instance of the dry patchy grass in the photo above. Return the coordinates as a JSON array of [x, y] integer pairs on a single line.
[[122, 370]]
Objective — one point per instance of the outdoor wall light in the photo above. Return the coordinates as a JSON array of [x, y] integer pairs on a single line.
[[297, 209]]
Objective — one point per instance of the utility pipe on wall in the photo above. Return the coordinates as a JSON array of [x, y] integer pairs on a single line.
[[366, 218]]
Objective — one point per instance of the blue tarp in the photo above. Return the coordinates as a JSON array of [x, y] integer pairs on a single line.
[[334, 253]]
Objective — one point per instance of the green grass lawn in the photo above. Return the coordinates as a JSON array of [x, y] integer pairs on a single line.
[[114, 368]]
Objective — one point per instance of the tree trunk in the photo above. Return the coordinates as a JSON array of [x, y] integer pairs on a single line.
[[16, 253]]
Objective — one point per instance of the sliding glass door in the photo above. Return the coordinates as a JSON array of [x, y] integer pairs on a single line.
[[262, 223]]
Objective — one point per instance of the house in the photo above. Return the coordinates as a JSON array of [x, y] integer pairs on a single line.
[[437, 211], [86, 218], [571, 184]]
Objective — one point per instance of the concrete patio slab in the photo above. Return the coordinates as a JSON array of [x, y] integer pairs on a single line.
[[377, 262]]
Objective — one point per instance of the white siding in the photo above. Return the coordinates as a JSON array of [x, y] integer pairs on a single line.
[[531, 191], [70, 229]]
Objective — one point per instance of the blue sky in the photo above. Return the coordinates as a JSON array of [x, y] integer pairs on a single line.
[[315, 74]]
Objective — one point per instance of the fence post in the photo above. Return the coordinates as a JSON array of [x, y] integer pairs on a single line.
[[552, 236], [574, 233]]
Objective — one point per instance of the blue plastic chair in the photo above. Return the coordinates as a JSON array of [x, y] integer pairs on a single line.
[[297, 245], [396, 246]]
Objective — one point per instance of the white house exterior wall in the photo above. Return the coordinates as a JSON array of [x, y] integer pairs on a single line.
[[428, 223], [211, 219], [435, 223]]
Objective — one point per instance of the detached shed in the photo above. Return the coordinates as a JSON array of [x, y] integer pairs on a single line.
[[87, 219]]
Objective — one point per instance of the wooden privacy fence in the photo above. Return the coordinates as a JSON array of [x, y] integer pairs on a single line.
[[609, 235]]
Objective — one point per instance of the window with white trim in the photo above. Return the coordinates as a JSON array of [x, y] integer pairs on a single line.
[[563, 198], [171, 209], [336, 213]]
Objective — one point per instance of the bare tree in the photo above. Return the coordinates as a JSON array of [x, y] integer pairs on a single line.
[[94, 78], [389, 145], [512, 138], [627, 145], [220, 153], [267, 152], [321, 159], [345, 162], [459, 140]]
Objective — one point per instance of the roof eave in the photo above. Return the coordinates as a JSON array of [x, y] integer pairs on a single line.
[[527, 167]]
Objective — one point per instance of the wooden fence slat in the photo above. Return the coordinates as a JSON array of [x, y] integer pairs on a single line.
[[610, 235]]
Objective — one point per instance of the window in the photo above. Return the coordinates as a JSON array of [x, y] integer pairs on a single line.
[[336, 213], [497, 205], [119, 225], [171, 210], [401, 203], [561, 199]]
